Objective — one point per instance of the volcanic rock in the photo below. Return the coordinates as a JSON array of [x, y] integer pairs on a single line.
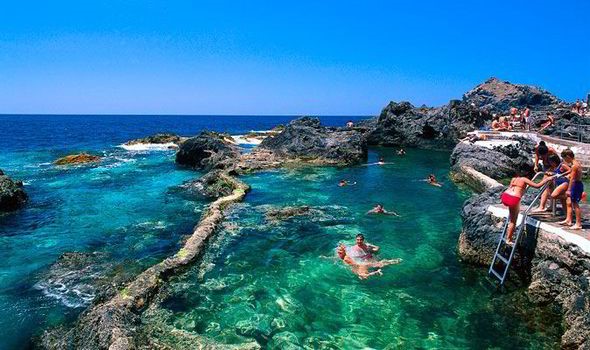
[[81, 158], [207, 151], [12, 194]]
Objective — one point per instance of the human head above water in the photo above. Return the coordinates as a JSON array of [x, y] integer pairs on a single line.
[[360, 238]]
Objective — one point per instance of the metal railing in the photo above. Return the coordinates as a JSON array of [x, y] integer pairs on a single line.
[[578, 133]]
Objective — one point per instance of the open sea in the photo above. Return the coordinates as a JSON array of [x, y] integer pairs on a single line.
[[275, 282]]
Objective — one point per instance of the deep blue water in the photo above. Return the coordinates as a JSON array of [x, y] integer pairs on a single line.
[[127, 207]]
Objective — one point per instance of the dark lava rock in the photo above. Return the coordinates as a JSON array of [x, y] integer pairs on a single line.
[[287, 212], [12, 194], [158, 138], [498, 163], [211, 185], [306, 139], [402, 124], [207, 151]]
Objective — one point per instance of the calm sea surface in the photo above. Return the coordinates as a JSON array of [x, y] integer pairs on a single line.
[[274, 282]]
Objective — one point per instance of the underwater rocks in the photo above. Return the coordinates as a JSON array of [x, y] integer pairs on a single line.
[[162, 138], [497, 163], [285, 213], [305, 139], [81, 158], [207, 151], [214, 184], [12, 194], [115, 323]]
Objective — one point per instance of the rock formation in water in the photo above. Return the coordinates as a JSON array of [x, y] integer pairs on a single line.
[[307, 140], [81, 158], [213, 185], [402, 124], [158, 139], [12, 194], [209, 150]]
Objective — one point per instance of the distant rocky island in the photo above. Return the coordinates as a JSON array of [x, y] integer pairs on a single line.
[[112, 322]]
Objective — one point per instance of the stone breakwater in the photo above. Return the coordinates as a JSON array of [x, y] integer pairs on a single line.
[[556, 270], [113, 324]]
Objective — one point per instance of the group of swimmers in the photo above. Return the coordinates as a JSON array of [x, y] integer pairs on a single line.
[[565, 174], [362, 258]]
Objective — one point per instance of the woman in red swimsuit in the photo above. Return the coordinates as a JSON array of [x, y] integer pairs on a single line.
[[511, 197]]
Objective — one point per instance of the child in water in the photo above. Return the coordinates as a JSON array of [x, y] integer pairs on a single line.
[[512, 196], [432, 180]]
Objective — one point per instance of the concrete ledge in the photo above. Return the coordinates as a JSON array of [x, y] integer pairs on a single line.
[[474, 179]]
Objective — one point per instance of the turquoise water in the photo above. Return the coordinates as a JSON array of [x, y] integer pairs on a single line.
[[280, 284], [128, 208], [274, 282]]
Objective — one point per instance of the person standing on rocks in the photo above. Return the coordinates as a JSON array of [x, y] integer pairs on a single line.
[[575, 190]]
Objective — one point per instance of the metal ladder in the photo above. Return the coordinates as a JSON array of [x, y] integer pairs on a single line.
[[503, 247]]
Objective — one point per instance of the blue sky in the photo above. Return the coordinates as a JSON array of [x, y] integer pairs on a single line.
[[289, 57]]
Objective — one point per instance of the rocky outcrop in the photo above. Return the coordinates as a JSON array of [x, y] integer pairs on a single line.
[[305, 139], [498, 162], [214, 184], [158, 139], [74, 159], [114, 323], [12, 194], [207, 151], [561, 277], [278, 214], [498, 96]]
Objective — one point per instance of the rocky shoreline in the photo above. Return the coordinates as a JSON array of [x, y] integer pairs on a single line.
[[115, 323]]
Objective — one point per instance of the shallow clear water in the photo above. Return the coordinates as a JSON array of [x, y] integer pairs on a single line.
[[280, 284], [273, 282], [127, 208]]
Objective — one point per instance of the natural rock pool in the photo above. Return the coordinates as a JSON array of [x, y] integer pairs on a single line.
[[275, 282]]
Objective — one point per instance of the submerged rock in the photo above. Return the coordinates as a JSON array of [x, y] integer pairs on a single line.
[[287, 212], [306, 139], [81, 158], [12, 194], [207, 151], [214, 184]]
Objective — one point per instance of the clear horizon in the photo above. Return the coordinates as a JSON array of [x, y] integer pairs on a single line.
[[304, 58]]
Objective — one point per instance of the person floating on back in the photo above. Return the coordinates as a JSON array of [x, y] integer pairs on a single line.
[[512, 196], [575, 190], [378, 209]]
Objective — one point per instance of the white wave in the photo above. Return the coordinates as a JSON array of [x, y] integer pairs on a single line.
[[149, 146], [243, 140]]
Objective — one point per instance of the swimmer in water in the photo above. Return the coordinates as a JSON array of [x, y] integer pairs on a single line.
[[401, 152], [343, 183], [362, 250], [381, 161], [432, 180], [378, 209], [362, 269]]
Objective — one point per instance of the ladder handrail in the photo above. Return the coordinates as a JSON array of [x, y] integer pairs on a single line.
[[519, 230]]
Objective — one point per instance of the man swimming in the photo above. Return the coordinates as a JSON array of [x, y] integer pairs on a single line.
[[401, 152], [343, 183], [362, 250], [362, 269], [378, 209], [432, 180]]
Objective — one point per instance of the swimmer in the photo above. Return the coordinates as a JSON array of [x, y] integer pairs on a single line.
[[343, 183], [432, 180], [362, 269], [401, 152], [378, 209], [381, 161], [364, 250]]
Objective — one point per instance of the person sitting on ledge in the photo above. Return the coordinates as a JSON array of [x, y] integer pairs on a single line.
[[349, 124], [378, 209], [511, 197], [557, 191], [547, 122], [496, 126], [542, 153], [362, 269]]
